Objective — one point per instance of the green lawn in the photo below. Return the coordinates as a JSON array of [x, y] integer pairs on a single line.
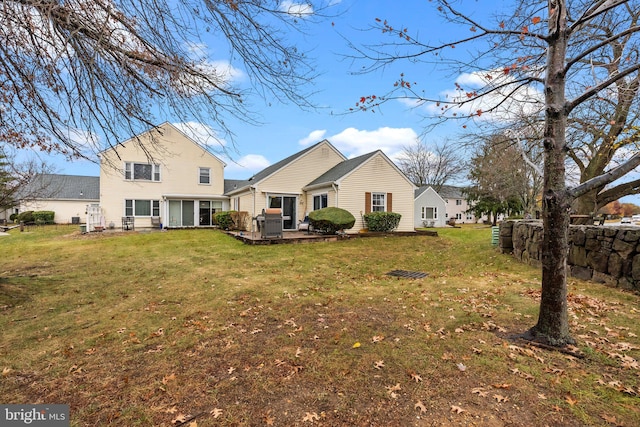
[[194, 328]]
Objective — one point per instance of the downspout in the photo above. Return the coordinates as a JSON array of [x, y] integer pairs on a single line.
[[335, 189], [253, 191]]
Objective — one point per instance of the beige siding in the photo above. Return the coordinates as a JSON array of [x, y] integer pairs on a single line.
[[179, 158], [377, 176], [296, 175], [64, 209]]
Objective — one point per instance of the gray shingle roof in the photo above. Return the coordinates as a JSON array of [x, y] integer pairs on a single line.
[[451, 192], [341, 169], [420, 190], [62, 187], [234, 184]]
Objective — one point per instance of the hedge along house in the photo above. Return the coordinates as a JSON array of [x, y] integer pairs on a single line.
[[364, 184], [281, 184], [66, 195], [173, 181]]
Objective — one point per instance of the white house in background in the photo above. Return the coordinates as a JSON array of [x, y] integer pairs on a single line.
[[66, 195], [456, 204], [174, 181], [430, 210]]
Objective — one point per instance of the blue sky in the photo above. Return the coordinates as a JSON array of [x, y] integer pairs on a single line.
[[286, 129]]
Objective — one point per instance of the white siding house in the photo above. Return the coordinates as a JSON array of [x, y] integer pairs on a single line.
[[430, 210]]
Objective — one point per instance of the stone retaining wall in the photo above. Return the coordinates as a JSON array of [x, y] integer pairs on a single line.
[[609, 255]]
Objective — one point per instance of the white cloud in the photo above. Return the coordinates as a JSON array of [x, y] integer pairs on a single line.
[[313, 137], [354, 142], [298, 10], [508, 101], [246, 165]]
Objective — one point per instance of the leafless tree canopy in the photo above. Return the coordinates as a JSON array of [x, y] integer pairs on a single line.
[[84, 73], [559, 59], [435, 165]]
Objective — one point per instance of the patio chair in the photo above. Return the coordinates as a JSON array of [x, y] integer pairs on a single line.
[[304, 225]]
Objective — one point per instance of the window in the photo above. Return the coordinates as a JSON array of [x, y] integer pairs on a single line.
[[141, 171], [141, 207], [458, 202], [205, 176], [429, 212], [320, 201], [469, 216], [458, 216], [377, 202]]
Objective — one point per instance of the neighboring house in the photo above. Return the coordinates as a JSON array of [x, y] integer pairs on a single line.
[[430, 210], [280, 185], [364, 184], [173, 181], [66, 195], [320, 176], [456, 204]]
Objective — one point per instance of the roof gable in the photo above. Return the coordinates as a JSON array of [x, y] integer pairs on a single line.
[[270, 170], [344, 169], [162, 130]]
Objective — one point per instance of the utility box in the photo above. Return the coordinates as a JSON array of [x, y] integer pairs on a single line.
[[271, 227]]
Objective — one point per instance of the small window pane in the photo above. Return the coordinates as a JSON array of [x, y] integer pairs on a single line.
[[156, 173], [143, 208], [128, 208], [156, 208], [205, 176], [142, 171], [377, 202], [127, 171]]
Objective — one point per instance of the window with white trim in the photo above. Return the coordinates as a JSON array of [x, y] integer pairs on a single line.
[[320, 201], [378, 202], [141, 207], [458, 202], [429, 212], [204, 175], [141, 172]]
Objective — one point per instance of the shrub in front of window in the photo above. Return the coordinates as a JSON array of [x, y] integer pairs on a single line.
[[26, 216], [225, 219], [331, 220], [43, 217], [382, 221]]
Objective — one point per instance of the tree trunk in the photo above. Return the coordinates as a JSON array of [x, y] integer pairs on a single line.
[[553, 320], [587, 203]]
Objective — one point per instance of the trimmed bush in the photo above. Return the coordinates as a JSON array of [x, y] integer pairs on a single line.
[[225, 219], [331, 220], [43, 217], [26, 216], [13, 217], [382, 221]]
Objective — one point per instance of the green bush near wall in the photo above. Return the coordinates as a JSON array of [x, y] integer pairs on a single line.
[[382, 221], [224, 219], [331, 220], [43, 217]]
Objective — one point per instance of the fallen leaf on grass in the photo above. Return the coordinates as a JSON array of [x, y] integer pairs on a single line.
[[311, 416], [180, 419], [503, 386], [570, 400], [216, 412], [168, 378], [420, 406], [377, 338], [457, 409], [356, 345], [5, 371], [379, 364], [462, 367], [417, 378], [479, 391], [500, 398], [542, 396]]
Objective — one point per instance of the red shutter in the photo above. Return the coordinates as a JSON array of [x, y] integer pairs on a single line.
[[367, 203], [389, 204]]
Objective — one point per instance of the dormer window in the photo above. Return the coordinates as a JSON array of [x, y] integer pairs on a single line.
[[141, 172]]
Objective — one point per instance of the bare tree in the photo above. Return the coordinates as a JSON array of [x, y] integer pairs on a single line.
[[542, 58], [435, 166], [15, 177], [87, 73]]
